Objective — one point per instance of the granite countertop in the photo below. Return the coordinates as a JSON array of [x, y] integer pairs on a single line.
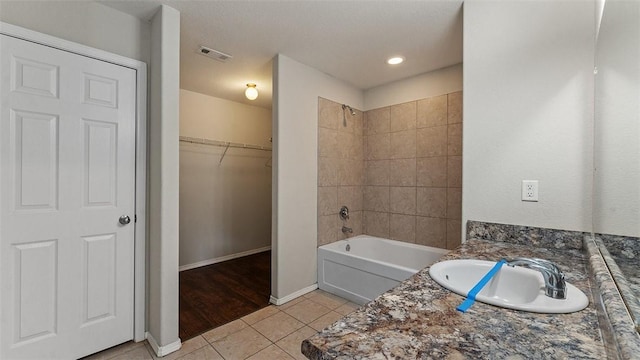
[[418, 320], [619, 331], [621, 254], [631, 271]]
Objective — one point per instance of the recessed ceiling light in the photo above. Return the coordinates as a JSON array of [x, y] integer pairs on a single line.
[[395, 60]]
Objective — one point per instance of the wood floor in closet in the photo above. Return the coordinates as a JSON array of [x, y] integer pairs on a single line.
[[216, 294]]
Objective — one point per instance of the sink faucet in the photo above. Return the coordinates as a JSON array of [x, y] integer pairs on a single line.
[[554, 284]]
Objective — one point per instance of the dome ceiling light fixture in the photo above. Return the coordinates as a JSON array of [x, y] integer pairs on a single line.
[[251, 92], [395, 60]]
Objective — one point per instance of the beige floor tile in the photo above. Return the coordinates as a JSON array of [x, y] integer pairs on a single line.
[[187, 347], [224, 330], [347, 308], [241, 344], [150, 350], [312, 293], [139, 353], [277, 326], [324, 298], [291, 303], [292, 343], [261, 314], [115, 351], [325, 320], [204, 353], [307, 311], [271, 353]]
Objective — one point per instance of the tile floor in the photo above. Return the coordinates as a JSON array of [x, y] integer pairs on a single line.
[[274, 332]]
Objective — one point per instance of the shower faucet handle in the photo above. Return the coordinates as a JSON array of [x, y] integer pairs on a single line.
[[344, 212]]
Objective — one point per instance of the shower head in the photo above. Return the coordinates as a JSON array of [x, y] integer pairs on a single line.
[[344, 117], [351, 111]]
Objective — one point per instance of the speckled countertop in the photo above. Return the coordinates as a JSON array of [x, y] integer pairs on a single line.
[[619, 331], [418, 320], [622, 256]]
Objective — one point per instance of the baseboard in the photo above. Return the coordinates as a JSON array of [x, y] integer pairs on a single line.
[[163, 350], [286, 299], [223, 258]]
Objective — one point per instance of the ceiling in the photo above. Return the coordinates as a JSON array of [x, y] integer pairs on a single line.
[[349, 40]]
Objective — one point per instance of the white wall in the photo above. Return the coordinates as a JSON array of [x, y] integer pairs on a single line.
[[164, 181], [225, 209], [295, 176], [617, 115], [528, 90], [209, 117], [83, 22], [434, 83]]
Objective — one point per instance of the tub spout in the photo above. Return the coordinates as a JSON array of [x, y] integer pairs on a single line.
[[347, 230]]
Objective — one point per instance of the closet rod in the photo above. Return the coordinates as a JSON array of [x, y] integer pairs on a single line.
[[225, 144]]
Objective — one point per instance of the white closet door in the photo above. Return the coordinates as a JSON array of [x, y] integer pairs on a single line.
[[67, 146]]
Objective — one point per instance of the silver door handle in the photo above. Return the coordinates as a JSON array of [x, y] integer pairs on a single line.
[[124, 220]]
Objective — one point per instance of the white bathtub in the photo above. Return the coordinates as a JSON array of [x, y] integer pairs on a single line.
[[371, 266]]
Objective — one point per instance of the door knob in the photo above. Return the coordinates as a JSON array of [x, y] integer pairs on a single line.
[[124, 220]]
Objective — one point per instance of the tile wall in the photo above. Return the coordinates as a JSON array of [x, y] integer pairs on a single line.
[[409, 186], [340, 170]]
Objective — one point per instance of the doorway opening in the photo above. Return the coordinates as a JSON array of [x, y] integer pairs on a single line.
[[225, 211]]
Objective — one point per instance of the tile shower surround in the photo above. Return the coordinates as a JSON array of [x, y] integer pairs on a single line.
[[397, 168]]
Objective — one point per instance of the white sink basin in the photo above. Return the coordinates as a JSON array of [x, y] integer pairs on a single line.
[[516, 287]]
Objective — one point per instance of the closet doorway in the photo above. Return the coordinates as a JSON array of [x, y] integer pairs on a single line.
[[225, 211]]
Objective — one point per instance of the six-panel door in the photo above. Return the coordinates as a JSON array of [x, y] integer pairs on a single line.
[[67, 146]]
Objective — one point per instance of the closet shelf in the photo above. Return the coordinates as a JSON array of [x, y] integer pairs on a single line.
[[225, 144]]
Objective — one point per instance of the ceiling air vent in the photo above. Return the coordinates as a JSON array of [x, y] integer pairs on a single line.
[[214, 54]]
